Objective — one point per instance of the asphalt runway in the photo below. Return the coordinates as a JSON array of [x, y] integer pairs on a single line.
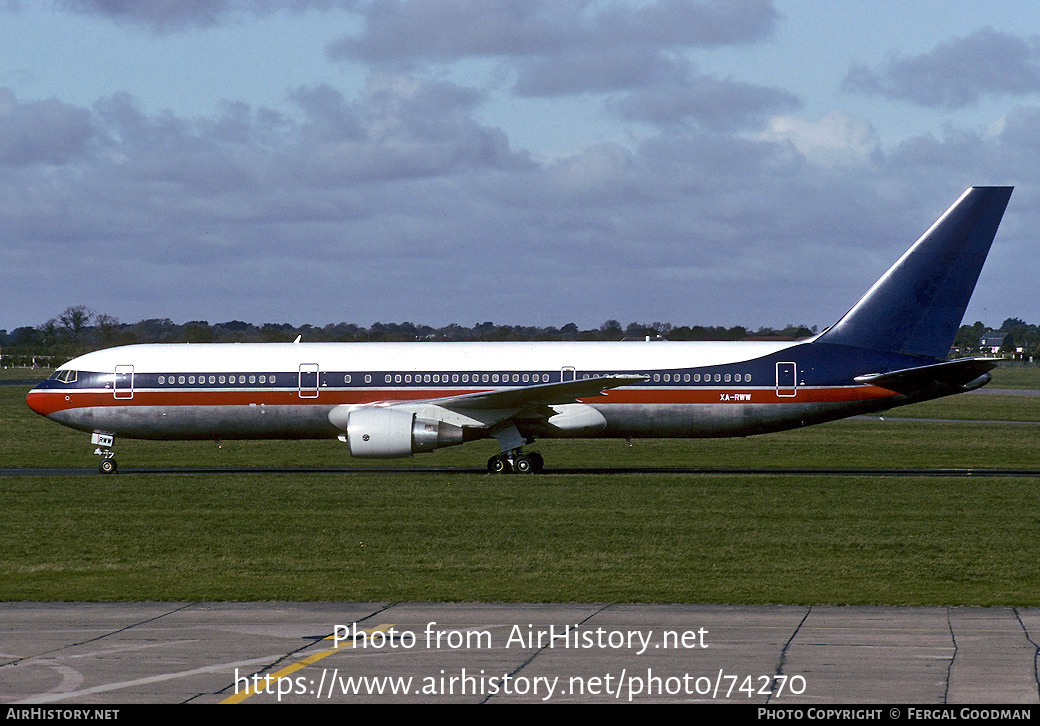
[[124, 653]]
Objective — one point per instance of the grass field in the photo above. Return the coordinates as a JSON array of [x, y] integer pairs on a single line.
[[1016, 377], [636, 535]]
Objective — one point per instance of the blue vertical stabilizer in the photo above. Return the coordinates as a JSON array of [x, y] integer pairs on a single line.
[[917, 306]]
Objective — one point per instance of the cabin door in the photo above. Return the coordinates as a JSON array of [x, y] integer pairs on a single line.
[[308, 380], [786, 380], [124, 382]]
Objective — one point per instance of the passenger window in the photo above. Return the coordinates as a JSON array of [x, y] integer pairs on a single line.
[[368, 378]]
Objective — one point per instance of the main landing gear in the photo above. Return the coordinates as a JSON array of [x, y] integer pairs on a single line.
[[104, 444], [516, 461]]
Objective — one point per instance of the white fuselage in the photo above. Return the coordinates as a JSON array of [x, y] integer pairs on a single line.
[[286, 390]]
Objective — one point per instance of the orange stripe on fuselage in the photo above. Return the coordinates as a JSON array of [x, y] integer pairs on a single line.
[[47, 402]]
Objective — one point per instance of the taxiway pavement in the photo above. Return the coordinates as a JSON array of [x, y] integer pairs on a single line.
[[205, 652]]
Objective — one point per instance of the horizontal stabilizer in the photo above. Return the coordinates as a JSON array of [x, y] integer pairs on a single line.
[[964, 374]]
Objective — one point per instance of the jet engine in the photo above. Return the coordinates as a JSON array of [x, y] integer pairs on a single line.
[[388, 432]]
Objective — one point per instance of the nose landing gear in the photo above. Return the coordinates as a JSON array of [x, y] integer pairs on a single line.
[[105, 443]]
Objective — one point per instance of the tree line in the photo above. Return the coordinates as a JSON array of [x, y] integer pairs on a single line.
[[78, 329]]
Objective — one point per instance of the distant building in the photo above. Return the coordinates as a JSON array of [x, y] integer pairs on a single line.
[[993, 342]]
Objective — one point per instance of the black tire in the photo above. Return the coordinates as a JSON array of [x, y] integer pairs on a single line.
[[538, 463], [108, 466], [523, 464], [499, 464]]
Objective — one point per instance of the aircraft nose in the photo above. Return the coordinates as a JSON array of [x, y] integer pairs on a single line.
[[36, 400]]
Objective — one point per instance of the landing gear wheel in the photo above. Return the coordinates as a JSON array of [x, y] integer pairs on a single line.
[[499, 464], [108, 466], [523, 464], [537, 462]]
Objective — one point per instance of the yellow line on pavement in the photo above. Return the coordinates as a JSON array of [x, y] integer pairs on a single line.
[[267, 680]]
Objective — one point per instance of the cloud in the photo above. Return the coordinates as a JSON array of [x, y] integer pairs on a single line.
[[400, 128], [708, 100], [957, 73], [597, 72], [651, 87], [398, 203], [171, 16], [837, 140], [572, 47], [397, 30], [42, 132], [571, 32]]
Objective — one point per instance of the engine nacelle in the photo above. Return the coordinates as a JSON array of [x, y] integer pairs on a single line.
[[389, 432]]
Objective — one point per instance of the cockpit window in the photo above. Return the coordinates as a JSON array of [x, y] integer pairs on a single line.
[[65, 376]]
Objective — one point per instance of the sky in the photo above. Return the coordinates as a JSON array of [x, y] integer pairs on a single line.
[[526, 162]]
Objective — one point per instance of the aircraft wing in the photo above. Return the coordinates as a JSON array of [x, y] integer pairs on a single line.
[[492, 408], [545, 394], [964, 373]]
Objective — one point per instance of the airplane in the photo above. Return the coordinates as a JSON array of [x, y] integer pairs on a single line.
[[387, 400]]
